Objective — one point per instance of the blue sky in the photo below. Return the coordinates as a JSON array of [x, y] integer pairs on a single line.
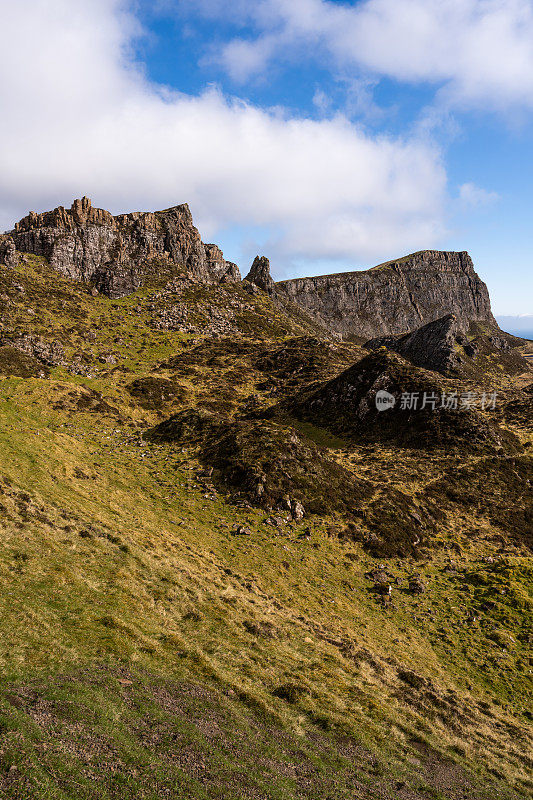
[[327, 135]]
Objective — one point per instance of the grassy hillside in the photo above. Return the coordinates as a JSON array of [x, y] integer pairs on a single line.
[[163, 636]]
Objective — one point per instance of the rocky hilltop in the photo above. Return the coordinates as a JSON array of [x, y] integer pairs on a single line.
[[116, 254], [395, 297]]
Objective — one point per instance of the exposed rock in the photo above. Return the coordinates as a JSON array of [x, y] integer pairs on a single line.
[[416, 586], [241, 530], [297, 510], [395, 297], [442, 346], [383, 589], [378, 576], [47, 352], [155, 393], [500, 343], [118, 254], [434, 346], [14, 362], [8, 251], [107, 358], [259, 275]]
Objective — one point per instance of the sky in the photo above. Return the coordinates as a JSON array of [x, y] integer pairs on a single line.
[[329, 136]]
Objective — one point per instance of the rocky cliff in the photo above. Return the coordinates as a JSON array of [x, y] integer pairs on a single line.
[[395, 297], [117, 254]]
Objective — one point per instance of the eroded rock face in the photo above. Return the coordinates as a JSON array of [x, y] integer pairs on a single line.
[[396, 297], [8, 251], [116, 255], [119, 254], [46, 352], [436, 346], [260, 276]]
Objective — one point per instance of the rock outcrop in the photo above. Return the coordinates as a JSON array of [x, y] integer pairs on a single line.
[[396, 297], [442, 346], [46, 352], [384, 398], [260, 275], [8, 251], [437, 346], [118, 254]]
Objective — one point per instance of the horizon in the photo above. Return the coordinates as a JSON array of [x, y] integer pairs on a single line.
[[327, 135]]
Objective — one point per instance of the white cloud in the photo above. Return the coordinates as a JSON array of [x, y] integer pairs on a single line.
[[479, 51], [474, 196], [78, 117]]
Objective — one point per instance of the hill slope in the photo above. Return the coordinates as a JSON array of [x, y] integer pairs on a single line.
[[169, 629]]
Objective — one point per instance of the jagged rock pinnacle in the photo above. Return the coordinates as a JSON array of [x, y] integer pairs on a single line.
[[260, 276]]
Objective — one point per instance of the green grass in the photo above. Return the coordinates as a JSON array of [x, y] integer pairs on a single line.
[[113, 561]]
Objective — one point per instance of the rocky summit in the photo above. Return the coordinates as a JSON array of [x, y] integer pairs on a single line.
[[443, 346], [116, 254], [257, 540], [395, 297]]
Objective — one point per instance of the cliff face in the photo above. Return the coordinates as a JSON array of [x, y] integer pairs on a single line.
[[395, 297], [117, 254]]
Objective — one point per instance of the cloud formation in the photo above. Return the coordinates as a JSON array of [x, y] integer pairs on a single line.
[[479, 52], [79, 117], [474, 196]]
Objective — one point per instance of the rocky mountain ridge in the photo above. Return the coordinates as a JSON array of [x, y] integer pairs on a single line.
[[116, 255], [197, 483], [395, 297]]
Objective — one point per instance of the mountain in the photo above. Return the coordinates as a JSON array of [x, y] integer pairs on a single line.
[[116, 255], [395, 297], [246, 551]]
